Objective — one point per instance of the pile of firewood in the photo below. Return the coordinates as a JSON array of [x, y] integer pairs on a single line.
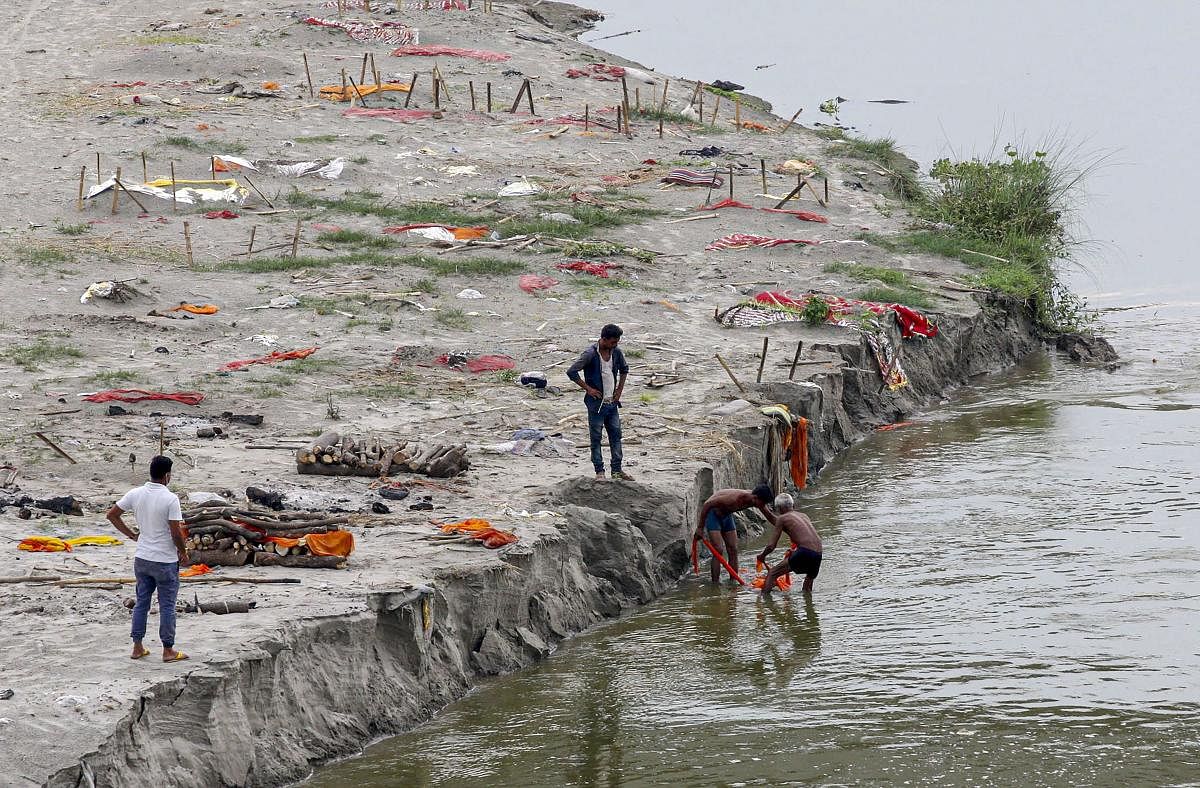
[[333, 454], [218, 536]]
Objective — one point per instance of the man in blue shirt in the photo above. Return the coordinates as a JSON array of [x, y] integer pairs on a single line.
[[604, 372]]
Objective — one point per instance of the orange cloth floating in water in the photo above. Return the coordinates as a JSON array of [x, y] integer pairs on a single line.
[[783, 583], [195, 309], [43, 544], [195, 570], [340, 543]]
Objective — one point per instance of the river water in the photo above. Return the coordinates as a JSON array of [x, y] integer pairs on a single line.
[[1008, 595]]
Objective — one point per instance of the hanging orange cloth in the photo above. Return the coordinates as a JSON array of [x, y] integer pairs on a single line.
[[339, 543], [799, 446]]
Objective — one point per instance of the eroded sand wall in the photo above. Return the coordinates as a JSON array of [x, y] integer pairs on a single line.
[[322, 688]]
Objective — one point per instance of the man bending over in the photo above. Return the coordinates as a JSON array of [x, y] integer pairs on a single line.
[[716, 518], [805, 558]]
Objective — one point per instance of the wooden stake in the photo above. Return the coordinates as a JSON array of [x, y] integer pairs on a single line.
[[625, 104], [762, 362], [489, 98], [374, 70], [729, 372], [637, 99], [792, 193], [793, 120], [311, 93], [82, 174], [795, 360], [162, 438], [361, 99], [716, 109], [187, 241], [56, 448], [437, 96], [250, 248], [471, 87], [520, 95], [587, 123], [174, 202], [129, 194], [296, 240], [762, 165], [116, 191], [737, 114], [412, 85], [701, 112], [145, 176], [529, 96], [826, 191], [362, 74], [731, 181], [258, 191], [97, 168], [620, 120], [662, 107], [212, 164], [660, 127]]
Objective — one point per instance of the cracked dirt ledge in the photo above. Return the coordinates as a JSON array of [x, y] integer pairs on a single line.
[[321, 688]]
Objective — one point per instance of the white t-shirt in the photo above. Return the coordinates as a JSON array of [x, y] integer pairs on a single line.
[[153, 507], [608, 376]]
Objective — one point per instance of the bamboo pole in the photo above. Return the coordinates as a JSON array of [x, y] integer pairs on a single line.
[[796, 360], [489, 98], [250, 248], [296, 240], [471, 88], [729, 372], [361, 100], [412, 85], [529, 96], [116, 191], [762, 362], [716, 109], [212, 164], [145, 176], [187, 242], [174, 201], [97, 168], [587, 122], [362, 74], [737, 114], [258, 191], [662, 107], [762, 166], [129, 194], [826, 191], [57, 449], [731, 181], [311, 93], [82, 175], [790, 122]]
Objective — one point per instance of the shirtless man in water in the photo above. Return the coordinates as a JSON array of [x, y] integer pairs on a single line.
[[716, 518], [806, 558]]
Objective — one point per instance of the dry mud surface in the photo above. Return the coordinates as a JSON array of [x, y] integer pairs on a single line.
[[320, 668]]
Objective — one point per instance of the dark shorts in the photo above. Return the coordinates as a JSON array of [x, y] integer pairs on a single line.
[[717, 522], [806, 562]]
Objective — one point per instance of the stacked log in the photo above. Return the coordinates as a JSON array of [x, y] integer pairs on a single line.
[[332, 454], [222, 534]]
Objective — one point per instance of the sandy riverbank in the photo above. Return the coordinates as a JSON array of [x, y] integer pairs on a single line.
[[318, 669]]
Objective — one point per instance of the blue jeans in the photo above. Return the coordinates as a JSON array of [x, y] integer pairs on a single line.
[[153, 575], [605, 418]]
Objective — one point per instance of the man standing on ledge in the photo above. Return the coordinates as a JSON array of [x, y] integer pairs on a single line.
[[715, 522], [160, 551], [805, 558], [604, 372]]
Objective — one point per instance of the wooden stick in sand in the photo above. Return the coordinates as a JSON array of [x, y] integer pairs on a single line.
[[116, 191], [660, 127], [362, 74], [375, 71], [174, 201], [162, 436], [489, 98], [471, 88], [311, 93], [826, 191], [361, 99], [731, 181], [437, 83], [762, 361], [412, 85], [587, 123], [187, 246], [97, 168], [56, 448], [258, 191], [145, 177], [296, 240], [793, 120], [729, 372], [212, 165], [625, 102], [529, 96], [796, 360], [792, 193], [762, 166], [662, 107], [129, 194], [716, 109], [637, 99], [250, 248], [737, 114], [82, 175], [520, 94]]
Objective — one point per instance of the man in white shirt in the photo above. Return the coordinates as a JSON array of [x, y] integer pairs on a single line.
[[160, 551]]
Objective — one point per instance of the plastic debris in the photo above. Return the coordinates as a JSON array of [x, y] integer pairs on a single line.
[[521, 188], [470, 294]]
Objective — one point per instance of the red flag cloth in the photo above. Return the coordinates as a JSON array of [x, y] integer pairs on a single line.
[[744, 240], [912, 323], [439, 50], [807, 216], [600, 71], [394, 115], [226, 214], [482, 363], [273, 357], [531, 282], [138, 395], [595, 269]]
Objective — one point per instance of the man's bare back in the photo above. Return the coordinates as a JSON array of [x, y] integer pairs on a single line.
[[800, 530]]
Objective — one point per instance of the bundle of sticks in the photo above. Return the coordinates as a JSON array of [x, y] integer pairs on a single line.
[[333, 454], [221, 534]]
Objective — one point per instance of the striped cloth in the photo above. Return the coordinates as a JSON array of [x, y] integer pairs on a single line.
[[694, 178], [392, 33], [744, 241], [414, 5]]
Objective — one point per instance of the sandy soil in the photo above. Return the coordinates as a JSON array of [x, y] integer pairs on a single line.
[[61, 109]]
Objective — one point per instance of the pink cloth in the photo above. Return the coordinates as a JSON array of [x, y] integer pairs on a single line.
[[744, 240], [600, 71], [439, 50], [394, 115], [531, 282]]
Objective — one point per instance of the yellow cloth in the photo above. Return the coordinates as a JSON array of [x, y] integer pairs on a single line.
[[43, 544], [93, 541], [348, 93]]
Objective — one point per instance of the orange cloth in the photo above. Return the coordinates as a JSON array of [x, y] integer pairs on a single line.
[[797, 441], [347, 93], [195, 570], [749, 124], [333, 543], [466, 526], [270, 86], [482, 531], [783, 583], [195, 309], [43, 544], [282, 540]]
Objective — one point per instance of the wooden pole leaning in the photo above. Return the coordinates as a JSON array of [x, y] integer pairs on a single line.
[[762, 361]]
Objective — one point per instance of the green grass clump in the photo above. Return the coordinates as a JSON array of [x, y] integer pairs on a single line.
[[112, 377], [187, 143], [896, 295], [155, 39], [883, 153], [318, 138], [62, 228], [30, 357], [328, 306], [387, 391], [356, 238], [453, 317], [43, 256], [866, 273], [464, 266], [369, 203]]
